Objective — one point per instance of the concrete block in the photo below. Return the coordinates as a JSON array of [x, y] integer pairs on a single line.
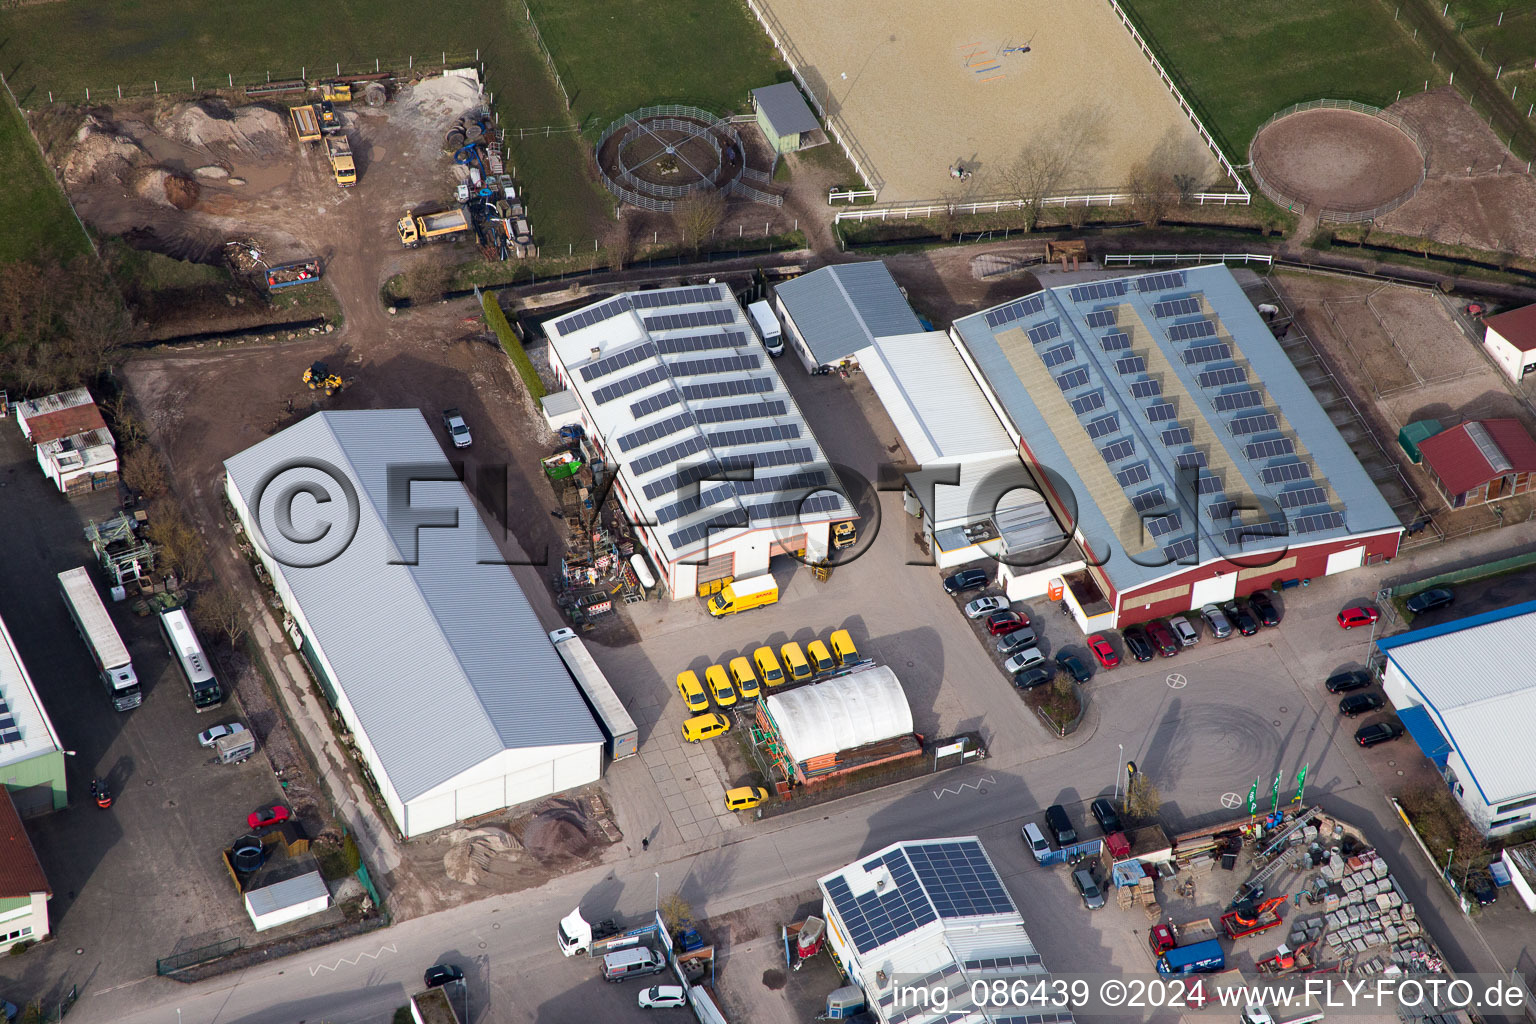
[[1380, 867], [1349, 883], [1384, 900]]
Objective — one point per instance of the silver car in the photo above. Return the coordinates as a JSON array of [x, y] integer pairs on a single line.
[[1019, 639], [1216, 620], [1093, 898], [208, 737], [1185, 630], [985, 606], [1026, 658]]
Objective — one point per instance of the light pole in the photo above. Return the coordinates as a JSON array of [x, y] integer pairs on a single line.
[[1119, 767], [1448, 854], [658, 893]]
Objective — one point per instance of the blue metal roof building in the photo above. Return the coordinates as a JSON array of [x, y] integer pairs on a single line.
[[834, 312], [1171, 429]]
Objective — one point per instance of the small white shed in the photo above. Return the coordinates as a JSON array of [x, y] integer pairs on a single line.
[[288, 900]]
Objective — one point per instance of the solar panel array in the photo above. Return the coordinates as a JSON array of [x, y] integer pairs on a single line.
[[731, 520], [1103, 426], [1175, 307], [596, 314], [1164, 525], [1146, 388], [1149, 499], [667, 456], [1160, 282], [655, 431], [1102, 317], [1286, 472], [1489, 448], [783, 484], [756, 435], [693, 503], [701, 342], [673, 297], [1190, 460], [1074, 378], [1219, 510], [1130, 364], [644, 379], [1015, 311], [1269, 449], [1115, 341], [1160, 412], [699, 318], [728, 388], [654, 403], [1180, 549], [816, 504], [618, 361], [1045, 332], [1056, 356], [1231, 401], [1098, 290], [960, 880], [1257, 423], [8, 731], [1222, 377], [730, 413], [1208, 484], [719, 364], [1133, 474], [1207, 353], [1318, 522], [1236, 535], [1175, 436], [1302, 497], [1089, 402], [1192, 330], [876, 918], [1121, 449]]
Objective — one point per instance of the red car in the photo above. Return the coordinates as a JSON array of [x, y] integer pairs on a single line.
[[1162, 638], [267, 816], [1103, 651], [1349, 618], [1000, 623]]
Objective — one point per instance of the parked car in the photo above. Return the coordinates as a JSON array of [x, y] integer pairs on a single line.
[[1028, 657], [1360, 703], [692, 691], [1364, 615], [1088, 889], [1008, 643], [273, 815], [1162, 638], [1482, 889], [208, 737], [1060, 825], [458, 430], [1105, 814], [663, 997], [1003, 623], [1137, 642], [1029, 678], [1377, 732], [1343, 682], [966, 580], [744, 798], [985, 606], [439, 975], [1246, 624], [1263, 608], [1429, 600], [1216, 621], [1073, 666], [1185, 630], [1103, 651]]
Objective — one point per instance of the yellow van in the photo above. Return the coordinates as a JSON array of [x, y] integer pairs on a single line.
[[739, 595], [821, 658], [705, 727], [746, 682], [744, 798], [795, 665], [719, 686], [768, 667], [692, 691], [843, 649]]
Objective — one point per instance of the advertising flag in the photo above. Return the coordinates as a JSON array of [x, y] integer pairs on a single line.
[[1301, 783], [1253, 798]]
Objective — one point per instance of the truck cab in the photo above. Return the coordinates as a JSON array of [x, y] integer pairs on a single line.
[[574, 935]]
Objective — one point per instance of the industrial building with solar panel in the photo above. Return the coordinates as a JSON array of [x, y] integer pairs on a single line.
[[1175, 441], [713, 462]]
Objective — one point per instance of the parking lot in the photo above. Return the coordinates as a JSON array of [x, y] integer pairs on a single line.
[[142, 879]]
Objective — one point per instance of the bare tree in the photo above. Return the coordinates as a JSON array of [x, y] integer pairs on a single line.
[[218, 610], [697, 217], [1153, 194], [1170, 176], [1142, 800], [1053, 160], [96, 324], [620, 247], [427, 280], [182, 550], [144, 472]]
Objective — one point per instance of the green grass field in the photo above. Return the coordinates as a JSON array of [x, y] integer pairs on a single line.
[[1239, 61], [37, 219]]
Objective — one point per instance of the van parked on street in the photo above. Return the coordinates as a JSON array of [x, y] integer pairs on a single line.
[[631, 963]]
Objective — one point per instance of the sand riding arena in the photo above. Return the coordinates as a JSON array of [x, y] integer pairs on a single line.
[[657, 157], [1338, 160]]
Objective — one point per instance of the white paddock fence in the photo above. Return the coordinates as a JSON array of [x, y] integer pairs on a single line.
[[936, 208], [1152, 259]]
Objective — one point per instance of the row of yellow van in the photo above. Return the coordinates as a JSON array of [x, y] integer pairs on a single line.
[[742, 682]]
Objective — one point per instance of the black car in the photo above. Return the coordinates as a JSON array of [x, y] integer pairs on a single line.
[[442, 974], [1074, 667], [1483, 890], [1105, 814], [1029, 678], [1343, 682], [966, 580], [1246, 624], [1429, 600], [1260, 605], [1360, 703], [1060, 825], [1377, 732], [1138, 643]]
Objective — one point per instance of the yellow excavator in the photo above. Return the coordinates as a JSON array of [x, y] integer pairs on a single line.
[[320, 378]]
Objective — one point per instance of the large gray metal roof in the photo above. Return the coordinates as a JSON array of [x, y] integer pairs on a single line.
[[935, 403], [1161, 401], [841, 309], [785, 108], [443, 661]]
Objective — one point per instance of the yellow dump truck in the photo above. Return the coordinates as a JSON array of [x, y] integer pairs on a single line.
[[339, 152], [431, 227], [306, 122], [336, 92]]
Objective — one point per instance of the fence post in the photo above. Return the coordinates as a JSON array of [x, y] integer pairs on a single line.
[[119, 92]]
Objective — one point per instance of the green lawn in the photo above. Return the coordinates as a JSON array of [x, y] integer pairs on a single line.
[[616, 55], [1239, 61], [37, 219]]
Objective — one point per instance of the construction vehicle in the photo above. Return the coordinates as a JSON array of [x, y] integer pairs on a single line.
[[336, 92], [320, 378], [844, 535], [330, 121], [339, 151], [432, 227], [1249, 918], [306, 122], [286, 275]]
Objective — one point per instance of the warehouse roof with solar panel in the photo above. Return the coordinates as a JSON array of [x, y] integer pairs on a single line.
[[1166, 406], [683, 396]]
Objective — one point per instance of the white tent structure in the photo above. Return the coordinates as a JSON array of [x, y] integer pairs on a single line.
[[865, 706]]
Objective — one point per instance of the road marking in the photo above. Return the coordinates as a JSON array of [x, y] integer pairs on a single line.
[[985, 780], [1177, 682], [352, 961], [1230, 800]]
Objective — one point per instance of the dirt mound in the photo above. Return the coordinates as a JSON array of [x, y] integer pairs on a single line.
[[101, 153], [211, 124], [430, 106], [473, 852], [558, 832], [181, 192]]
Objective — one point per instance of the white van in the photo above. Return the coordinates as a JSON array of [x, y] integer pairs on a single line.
[[631, 963], [1035, 840], [767, 327]]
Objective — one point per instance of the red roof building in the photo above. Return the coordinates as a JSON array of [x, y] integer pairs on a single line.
[[1510, 339], [24, 892], [63, 415], [1481, 461]]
